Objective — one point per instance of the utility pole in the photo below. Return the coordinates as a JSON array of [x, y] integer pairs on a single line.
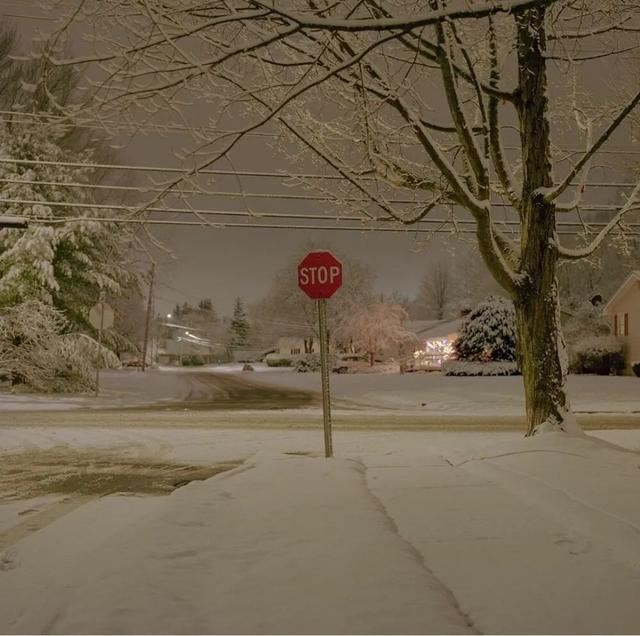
[[99, 353], [147, 322]]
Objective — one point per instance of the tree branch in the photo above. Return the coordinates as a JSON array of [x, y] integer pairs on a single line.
[[554, 193], [480, 10], [574, 254]]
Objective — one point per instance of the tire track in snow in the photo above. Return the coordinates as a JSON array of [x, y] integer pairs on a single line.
[[417, 555], [41, 520]]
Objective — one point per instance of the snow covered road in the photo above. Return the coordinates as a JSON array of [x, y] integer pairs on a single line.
[[404, 532]]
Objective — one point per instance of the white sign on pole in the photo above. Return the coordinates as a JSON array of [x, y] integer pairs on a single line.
[[98, 319]]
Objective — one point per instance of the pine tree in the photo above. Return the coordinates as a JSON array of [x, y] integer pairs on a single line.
[[56, 261], [239, 329], [489, 332], [63, 263]]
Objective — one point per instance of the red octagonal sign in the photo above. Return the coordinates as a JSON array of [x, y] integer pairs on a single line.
[[320, 275]]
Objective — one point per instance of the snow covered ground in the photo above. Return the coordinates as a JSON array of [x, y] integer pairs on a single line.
[[435, 393], [403, 532], [415, 393]]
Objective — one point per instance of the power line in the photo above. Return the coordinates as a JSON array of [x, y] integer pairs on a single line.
[[271, 215], [227, 224], [29, 17], [109, 125], [247, 195], [439, 225], [236, 173], [97, 124], [44, 119]]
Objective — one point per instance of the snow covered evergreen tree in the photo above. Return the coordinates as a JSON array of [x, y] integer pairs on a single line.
[[67, 256], [489, 332], [239, 329], [55, 270], [58, 261]]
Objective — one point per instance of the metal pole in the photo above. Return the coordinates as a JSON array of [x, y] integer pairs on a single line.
[[324, 372], [99, 354], [148, 318]]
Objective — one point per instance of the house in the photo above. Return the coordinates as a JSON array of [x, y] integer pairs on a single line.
[[623, 310], [291, 346], [434, 340]]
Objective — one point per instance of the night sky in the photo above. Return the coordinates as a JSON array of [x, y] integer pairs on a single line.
[[224, 263]]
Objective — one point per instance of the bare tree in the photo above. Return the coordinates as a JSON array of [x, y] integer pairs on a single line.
[[286, 310], [421, 109], [374, 328], [437, 292]]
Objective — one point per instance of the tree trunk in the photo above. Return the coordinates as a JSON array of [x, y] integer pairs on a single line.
[[308, 345], [541, 348], [542, 352]]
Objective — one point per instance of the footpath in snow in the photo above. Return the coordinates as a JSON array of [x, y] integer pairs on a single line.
[[401, 533]]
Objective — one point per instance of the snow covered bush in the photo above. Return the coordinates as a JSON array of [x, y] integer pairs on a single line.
[[39, 355], [278, 362], [466, 367], [309, 362], [488, 332], [586, 320], [193, 361], [602, 355]]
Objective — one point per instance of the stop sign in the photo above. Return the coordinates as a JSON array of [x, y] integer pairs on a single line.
[[320, 275]]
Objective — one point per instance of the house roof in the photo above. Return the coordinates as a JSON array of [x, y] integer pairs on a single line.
[[418, 326], [434, 328], [634, 276]]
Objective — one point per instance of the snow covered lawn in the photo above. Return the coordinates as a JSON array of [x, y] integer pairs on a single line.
[[433, 393], [428, 394], [403, 532]]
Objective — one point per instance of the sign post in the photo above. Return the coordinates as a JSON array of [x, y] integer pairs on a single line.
[[101, 317], [320, 276]]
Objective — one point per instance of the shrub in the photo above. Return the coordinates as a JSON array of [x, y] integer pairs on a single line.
[[636, 368], [465, 367], [38, 354], [602, 355], [278, 362], [192, 361], [488, 333], [587, 320], [309, 362]]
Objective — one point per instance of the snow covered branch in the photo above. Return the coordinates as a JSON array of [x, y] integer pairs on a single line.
[[475, 11], [632, 204], [555, 192]]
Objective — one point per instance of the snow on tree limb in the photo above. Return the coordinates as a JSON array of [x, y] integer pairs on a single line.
[[632, 204], [555, 192], [479, 10]]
